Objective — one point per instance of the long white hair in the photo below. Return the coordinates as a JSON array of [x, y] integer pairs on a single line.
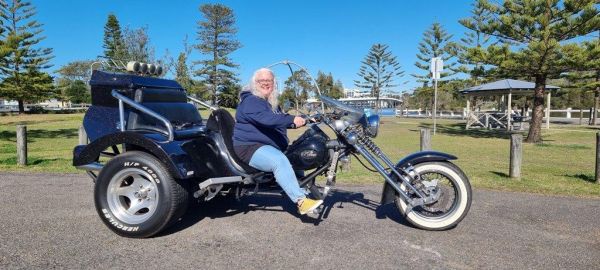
[[273, 98]]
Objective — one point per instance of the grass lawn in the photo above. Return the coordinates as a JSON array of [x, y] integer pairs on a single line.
[[563, 164]]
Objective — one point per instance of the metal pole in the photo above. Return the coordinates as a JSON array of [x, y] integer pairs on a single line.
[[434, 104]]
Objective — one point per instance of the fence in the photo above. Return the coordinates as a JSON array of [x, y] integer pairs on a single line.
[[568, 113]]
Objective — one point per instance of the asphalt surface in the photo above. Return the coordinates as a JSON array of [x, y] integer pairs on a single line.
[[49, 221]]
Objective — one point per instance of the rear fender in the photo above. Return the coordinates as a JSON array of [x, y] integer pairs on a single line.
[[91, 152], [389, 194]]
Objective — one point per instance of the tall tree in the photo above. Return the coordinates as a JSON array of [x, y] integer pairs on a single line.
[[586, 77], [216, 34], [137, 46], [182, 73], [230, 95], [71, 83], [436, 43], [114, 45], [532, 34], [297, 88], [473, 64], [24, 60], [378, 72], [328, 87]]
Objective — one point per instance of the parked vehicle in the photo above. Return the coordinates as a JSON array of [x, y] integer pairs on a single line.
[[150, 151]]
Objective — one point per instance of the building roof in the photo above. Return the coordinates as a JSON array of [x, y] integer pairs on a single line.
[[502, 87]]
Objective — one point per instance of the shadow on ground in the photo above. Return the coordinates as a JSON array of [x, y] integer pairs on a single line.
[[581, 176], [458, 129], [40, 134], [226, 206]]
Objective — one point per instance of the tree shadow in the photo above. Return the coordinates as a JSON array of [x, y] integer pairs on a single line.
[[581, 176], [501, 174], [40, 134], [30, 161], [226, 206], [458, 129]]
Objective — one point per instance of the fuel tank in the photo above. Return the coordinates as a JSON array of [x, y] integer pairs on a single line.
[[309, 150]]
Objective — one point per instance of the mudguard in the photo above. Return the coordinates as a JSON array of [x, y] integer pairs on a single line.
[[388, 194], [91, 152]]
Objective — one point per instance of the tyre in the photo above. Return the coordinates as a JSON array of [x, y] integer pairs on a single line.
[[136, 196], [454, 201]]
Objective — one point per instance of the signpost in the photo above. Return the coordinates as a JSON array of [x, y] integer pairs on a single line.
[[436, 67]]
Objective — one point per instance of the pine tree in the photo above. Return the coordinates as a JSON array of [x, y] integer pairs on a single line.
[[24, 60], [470, 50], [586, 77], [114, 45], [436, 43], [183, 76], [216, 35], [531, 34], [230, 95], [379, 70]]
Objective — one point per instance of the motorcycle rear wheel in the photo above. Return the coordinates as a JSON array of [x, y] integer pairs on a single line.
[[453, 203]]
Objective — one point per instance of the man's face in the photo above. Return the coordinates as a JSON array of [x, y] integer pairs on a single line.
[[264, 83]]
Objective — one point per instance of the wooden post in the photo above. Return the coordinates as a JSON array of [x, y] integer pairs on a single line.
[[425, 139], [516, 153], [22, 145], [83, 139], [597, 158]]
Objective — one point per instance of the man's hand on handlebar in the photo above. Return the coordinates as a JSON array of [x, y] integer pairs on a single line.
[[299, 121]]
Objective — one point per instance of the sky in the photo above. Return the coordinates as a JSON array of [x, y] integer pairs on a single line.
[[329, 36]]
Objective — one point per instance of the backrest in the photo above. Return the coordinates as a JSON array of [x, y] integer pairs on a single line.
[[169, 103], [221, 121]]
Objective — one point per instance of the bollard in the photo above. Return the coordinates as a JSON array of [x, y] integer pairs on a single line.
[[516, 153], [425, 139], [22, 145], [597, 158], [83, 139]]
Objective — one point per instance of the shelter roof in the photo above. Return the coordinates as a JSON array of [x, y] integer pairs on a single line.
[[502, 87]]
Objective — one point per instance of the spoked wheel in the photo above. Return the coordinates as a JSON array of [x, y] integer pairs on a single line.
[[136, 196], [453, 190]]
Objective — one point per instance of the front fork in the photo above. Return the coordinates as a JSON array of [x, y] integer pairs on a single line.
[[371, 152]]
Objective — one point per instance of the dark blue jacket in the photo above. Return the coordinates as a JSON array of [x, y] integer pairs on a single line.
[[257, 123]]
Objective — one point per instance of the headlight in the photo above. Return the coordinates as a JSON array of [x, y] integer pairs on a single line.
[[372, 125]]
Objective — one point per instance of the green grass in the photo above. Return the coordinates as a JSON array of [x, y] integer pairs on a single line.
[[563, 164]]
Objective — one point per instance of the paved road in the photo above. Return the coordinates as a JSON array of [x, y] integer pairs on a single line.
[[49, 221]]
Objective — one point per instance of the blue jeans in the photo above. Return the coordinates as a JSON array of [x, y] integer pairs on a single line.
[[269, 159]]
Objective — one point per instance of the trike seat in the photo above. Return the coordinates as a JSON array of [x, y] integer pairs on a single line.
[[171, 104]]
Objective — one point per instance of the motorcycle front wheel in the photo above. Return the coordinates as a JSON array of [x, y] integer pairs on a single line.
[[454, 200]]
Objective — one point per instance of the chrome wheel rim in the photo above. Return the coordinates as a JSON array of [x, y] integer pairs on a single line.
[[132, 195]]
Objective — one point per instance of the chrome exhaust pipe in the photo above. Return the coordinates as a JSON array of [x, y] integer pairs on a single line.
[[91, 169], [94, 166]]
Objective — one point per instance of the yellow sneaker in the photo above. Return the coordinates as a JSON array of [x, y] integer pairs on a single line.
[[307, 205]]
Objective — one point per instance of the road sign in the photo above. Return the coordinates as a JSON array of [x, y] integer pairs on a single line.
[[436, 67]]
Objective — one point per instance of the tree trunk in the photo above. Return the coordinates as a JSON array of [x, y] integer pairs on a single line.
[[597, 98], [21, 106], [535, 125], [594, 115]]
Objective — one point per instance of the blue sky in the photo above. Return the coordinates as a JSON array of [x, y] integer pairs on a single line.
[[331, 36]]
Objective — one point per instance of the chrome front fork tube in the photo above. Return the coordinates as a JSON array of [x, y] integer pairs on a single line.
[[373, 161]]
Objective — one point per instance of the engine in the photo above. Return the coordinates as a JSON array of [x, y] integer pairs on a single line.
[[309, 150]]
